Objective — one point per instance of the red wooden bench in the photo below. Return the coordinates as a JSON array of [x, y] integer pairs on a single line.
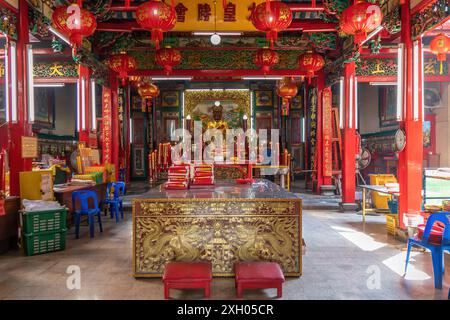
[[258, 275], [187, 275]]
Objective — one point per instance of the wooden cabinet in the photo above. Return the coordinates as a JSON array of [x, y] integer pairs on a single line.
[[9, 224]]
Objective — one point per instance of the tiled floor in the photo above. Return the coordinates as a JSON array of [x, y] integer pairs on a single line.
[[341, 262]]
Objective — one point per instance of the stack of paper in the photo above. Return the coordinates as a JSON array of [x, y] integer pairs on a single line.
[[178, 177], [203, 175]]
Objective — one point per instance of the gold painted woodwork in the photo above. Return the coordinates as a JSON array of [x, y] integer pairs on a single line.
[[222, 231], [193, 98]]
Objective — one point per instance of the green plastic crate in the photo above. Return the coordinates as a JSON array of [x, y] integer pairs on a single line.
[[44, 221], [98, 177], [44, 242]]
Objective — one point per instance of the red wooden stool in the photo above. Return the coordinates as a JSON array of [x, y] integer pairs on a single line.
[[184, 275], [258, 275]]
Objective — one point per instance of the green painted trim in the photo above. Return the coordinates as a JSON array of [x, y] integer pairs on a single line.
[[56, 137], [379, 134]]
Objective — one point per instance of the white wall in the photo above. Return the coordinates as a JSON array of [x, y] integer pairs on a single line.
[[369, 120], [369, 117], [65, 108]]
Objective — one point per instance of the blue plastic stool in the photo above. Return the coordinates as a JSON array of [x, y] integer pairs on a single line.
[[437, 251], [122, 174], [115, 203], [84, 196]]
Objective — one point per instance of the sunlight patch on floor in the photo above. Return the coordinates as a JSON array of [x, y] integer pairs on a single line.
[[360, 239], [397, 264]]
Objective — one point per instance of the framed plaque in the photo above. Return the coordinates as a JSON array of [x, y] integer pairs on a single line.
[[29, 147]]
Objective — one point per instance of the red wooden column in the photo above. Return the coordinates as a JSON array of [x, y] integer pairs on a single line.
[[411, 158], [307, 129], [22, 127], [320, 84], [83, 111], [128, 133], [114, 83], [349, 139]]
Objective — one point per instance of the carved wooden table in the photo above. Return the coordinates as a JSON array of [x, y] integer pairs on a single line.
[[222, 224]]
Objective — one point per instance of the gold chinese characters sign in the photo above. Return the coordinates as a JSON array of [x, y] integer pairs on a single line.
[[29, 147], [222, 231], [199, 15]]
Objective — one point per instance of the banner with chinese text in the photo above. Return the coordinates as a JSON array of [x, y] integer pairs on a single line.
[[107, 125], [327, 133]]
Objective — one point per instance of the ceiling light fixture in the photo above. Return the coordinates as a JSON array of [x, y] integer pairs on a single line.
[[48, 85], [218, 33], [215, 39], [262, 78], [171, 78], [390, 83]]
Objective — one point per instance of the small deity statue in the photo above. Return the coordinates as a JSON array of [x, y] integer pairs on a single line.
[[217, 111], [218, 123]]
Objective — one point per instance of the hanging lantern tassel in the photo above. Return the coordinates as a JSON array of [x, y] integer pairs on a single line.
[[272, 37], [285, 107], [147, 91], [286, 89], [146, 105], [157, 37]]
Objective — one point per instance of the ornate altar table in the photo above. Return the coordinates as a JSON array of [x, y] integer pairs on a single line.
[[223, 224]]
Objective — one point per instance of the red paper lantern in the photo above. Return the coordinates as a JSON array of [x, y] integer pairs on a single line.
[[65, 19], [265, 58], [287, 89], [147, 91], [271, 17], [310, 62], [122, 63], [440, 45], [168, 58], [359, 19], [157, 17]]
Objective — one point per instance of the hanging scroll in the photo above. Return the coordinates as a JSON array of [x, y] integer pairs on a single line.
[[327, 134], [312, 124], [107, 125]]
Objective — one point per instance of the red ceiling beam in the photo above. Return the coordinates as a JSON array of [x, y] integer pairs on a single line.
[[368, 79], [217, 73], [126, 26], [422, 5], [313, 26], [308, 27], [122, 8], [49, 51]]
